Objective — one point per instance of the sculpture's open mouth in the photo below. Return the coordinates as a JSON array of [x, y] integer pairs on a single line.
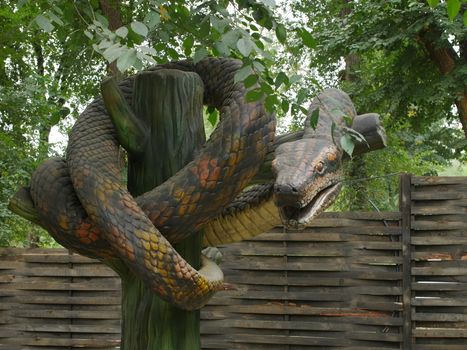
[[298, 218]]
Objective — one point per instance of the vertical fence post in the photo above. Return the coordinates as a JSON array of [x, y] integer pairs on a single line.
[[405, 209]]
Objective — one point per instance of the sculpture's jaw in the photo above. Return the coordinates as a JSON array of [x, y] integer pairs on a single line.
[[298, 217]]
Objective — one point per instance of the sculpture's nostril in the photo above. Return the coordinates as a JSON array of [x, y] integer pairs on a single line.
[[285, 189]]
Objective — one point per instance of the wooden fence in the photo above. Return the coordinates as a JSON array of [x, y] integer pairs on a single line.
[[379, 280]]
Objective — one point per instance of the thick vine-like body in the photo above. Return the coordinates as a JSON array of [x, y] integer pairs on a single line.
[[178, 207]]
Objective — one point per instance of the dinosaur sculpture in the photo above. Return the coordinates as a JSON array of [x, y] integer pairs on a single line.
[[82, 203]]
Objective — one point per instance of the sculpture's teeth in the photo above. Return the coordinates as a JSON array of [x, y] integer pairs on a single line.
[[298, 218]]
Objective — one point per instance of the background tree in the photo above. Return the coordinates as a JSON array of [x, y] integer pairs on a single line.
[[44, 77], [396, 49]]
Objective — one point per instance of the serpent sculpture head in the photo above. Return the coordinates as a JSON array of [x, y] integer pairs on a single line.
[[308, 174], [308, 171]]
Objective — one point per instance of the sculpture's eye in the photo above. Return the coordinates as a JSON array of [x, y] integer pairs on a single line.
[[332, 156], [319, 167]]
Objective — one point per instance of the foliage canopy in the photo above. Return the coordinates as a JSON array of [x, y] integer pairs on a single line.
[[403, 59]]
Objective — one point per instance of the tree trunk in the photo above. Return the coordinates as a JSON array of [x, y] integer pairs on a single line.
[[169, 103], [446, 59], [357, 165], [112, 10]]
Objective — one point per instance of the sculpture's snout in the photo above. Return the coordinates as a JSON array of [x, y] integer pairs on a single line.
[[286, 195]]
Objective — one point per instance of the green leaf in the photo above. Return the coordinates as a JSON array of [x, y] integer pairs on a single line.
[[281, 78], [113, 52], [21, 3], [250, 81], [281, 33], [213, 116], [55, 18], [205, 27], [139, 28], [218, 23], [126, 60], [465, 18], [149, 50], [454, 7], [314, 118], [222, 49], [230, 38], [200, 53], [270, 103], [104, 44], [152, 19], [188, 42], [347, 144], [433, 3], [301, 95], [356, 135], [44, 23], [245, 46], [101, 20], [122, 32], [266, 88], [307, 38], [64, 111], [253, 95], [269, 3], [145, 58], [294, 78], [258, 66], [285, 105], [243, 73]]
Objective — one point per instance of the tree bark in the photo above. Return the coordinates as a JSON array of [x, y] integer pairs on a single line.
[[446, 59], [169, 103], [112, 10], [357, 165]]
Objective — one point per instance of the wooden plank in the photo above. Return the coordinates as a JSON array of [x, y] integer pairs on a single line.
[[59, 259], [420, 225], [67, 328], [438, 195], [19, 252], [67, 314], [438, 210], [306, 310], [250, 339], [438, 180], [439, 240], [438, 302], [303, 296], [97, 285], [79, 271], [65, 300], [439, 286], [439, 271], [440, 333], [70, 342], [439, 255], [438, 317], [439, 347]]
